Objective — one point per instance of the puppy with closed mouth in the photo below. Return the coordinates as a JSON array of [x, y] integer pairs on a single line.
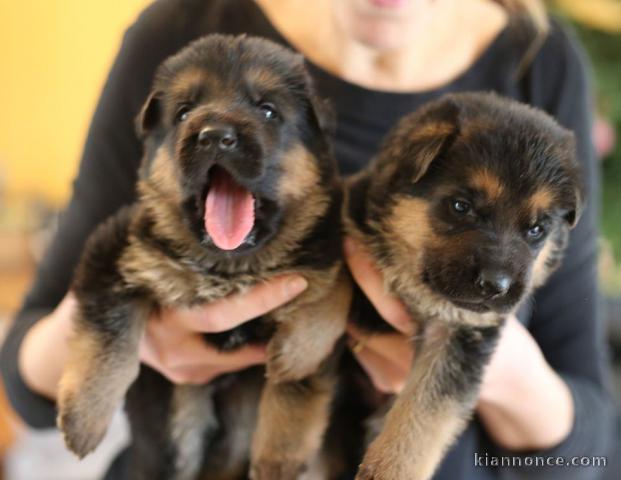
[[466, 209], [238, 184]]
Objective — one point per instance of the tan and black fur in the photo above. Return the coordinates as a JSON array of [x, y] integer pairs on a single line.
[[466, 210], [157, 254]]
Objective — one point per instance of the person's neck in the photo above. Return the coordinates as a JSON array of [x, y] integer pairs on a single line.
[[440, 48]]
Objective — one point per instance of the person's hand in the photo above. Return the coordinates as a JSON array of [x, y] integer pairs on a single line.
[[173, 343], [386, 358], [516, 354], [517, 371]]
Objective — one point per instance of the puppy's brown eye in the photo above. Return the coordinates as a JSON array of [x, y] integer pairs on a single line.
[[182, 113], [269, 111], [535, 232], [460, 207]]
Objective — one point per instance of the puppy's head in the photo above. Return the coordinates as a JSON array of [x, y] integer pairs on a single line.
[[235, 138], [474, 195]]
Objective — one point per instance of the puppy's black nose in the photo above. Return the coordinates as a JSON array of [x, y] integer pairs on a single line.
[[220, 137], [493, 283]]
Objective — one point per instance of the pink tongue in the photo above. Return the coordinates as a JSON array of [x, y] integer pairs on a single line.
[[229, 211]]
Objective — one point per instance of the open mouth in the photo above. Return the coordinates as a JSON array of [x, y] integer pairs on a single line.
[[229, 211]]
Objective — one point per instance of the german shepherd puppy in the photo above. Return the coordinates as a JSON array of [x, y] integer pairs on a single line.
[[466, 209], [238, 184]]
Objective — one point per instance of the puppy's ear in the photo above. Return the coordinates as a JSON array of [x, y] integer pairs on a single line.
[[573, 200], [573, 197], [574, 212], [420, 138], [357, 189], [149, 115], [323, 115]]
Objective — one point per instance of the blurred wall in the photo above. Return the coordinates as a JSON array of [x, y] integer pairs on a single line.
[[54, 57]]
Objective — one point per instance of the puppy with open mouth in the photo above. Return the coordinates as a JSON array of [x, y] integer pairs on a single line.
[[466, 209], [237, 185]]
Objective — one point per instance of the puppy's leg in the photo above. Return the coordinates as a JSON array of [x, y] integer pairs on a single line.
[[237, 403], [295, 405], [192, 425], [306, 336], [433, 407], [150, 426], [293, 417], [108, 324], [101, 367]]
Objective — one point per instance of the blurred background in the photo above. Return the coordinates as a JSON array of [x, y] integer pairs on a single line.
[[54, 57]]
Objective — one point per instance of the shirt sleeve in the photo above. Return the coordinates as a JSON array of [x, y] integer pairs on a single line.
[[105, 182], [566, 319]]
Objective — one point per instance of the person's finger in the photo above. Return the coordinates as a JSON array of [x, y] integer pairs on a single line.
[[370, 280], [238, 359], [194, 361], [175, 351], [197, 375], [385, 376], [394, 347], [231, 311], [227, 362]]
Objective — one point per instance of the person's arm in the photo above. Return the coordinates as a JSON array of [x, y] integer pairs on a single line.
[[565, 323], [566, 320], [105, 182]]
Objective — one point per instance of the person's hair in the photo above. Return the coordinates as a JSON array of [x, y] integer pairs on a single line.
[[535, 10]]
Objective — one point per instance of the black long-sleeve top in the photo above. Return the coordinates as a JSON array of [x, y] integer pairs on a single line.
[[563, 316]]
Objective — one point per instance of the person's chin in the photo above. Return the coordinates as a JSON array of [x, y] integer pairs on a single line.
[[382, 38]]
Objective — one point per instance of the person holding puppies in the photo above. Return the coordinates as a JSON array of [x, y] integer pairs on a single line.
[[377, 60]]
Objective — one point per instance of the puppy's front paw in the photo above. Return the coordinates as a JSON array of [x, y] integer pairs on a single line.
[[83, 427], [386, 461], [367, 472], [289, 361], [276, 470], [375, 471], [385, 464], [87, 400]]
